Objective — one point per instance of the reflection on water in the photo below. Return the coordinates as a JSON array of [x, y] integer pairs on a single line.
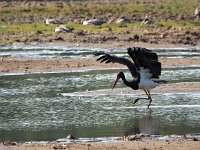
[[47, 106]]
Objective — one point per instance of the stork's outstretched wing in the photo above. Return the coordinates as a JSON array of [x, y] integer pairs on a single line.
[[107, 58], [143, 57]]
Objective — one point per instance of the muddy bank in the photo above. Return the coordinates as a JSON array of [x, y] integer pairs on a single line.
[[156, 36]]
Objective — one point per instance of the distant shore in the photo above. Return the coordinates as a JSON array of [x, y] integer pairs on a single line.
[[169, 23]]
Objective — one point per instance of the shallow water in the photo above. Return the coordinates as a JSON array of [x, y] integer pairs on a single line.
[[70, 52], [52, 105]]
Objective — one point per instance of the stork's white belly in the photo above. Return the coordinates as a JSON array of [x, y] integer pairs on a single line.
[[145, 80], [147, 84]]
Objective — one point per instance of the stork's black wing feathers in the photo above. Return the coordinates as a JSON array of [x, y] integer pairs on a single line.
[[142, 52], [143, 57], [107, 58], [99, 53]]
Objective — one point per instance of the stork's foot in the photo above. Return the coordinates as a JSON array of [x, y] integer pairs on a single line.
[[149, 98], [139, 99]]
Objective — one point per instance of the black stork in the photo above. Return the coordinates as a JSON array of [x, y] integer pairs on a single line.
[[145, 69]]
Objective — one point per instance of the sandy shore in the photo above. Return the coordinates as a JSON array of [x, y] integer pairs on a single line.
[[31, 65], [178, 144]]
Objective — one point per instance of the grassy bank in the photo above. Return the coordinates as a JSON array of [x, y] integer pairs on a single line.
[[25, 18], [83, 8]]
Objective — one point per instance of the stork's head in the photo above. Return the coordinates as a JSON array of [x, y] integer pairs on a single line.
[[119, 75]]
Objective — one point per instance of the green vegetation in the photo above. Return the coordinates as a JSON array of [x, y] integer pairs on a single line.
[[34, 9], [26, 28], [118, 28], [49, 29], [180, 23]]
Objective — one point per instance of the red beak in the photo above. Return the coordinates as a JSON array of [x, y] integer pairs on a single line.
[[117, 79]]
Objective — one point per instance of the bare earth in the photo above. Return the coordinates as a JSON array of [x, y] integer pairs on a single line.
[[178, 144], [30, 65]]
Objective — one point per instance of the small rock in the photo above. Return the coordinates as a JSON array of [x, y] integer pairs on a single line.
[[55, 146], [9, 143], [71, 136], [143, 39], [59, 39], [187, 32], [195, 139], [59, 4], [38, 32], [154, 42], [163, 35], [136, 37], [188, 38], [110, 29], [143, 135], [195, 33], [59, 146], [88, 145], [133, 137], [24, 39], [81, 33]]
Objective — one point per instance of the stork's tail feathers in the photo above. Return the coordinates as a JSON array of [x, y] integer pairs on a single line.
[[160, 81]]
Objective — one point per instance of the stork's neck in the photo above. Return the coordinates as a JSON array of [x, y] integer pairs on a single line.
[[132, 84]]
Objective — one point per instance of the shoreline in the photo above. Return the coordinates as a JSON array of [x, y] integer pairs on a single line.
[[106, 44], [48, 65], [140, 141]]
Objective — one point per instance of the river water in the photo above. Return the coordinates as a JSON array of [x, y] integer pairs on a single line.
[[49, 106]]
